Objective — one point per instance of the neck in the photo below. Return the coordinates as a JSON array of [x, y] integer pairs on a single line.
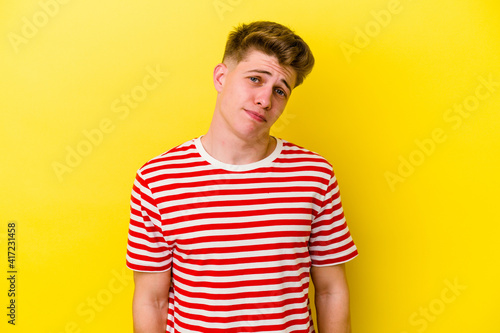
[[231, 149]]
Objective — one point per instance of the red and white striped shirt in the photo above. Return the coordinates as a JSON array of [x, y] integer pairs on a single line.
[[240, 239]]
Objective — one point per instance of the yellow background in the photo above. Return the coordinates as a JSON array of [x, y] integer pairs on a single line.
[[437, 225]]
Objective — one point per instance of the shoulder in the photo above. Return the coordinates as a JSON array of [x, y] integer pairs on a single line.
[[172, 157], [292, 152]]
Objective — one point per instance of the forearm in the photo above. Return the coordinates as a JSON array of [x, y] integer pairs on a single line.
[[332, 312], [150, 317]]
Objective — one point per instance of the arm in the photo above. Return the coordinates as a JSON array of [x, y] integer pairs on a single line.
[[331, 299], [150, 303]]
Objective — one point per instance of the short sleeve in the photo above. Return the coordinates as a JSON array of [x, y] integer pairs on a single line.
[[147, 250], [331, 242]]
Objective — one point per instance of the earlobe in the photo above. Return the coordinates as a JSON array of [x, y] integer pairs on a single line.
[[220, 72]]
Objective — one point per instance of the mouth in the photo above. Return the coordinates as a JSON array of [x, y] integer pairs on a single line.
[[256, 116]]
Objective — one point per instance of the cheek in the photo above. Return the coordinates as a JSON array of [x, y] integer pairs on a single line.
[[230, 97], [275, 115], [279, 105], [236, 93]]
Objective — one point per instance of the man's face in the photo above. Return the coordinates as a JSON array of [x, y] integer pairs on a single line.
[[253, 93]]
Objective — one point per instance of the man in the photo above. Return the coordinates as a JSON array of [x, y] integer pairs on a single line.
[[227, 229]]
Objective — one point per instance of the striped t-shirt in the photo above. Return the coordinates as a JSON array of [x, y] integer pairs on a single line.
[[240, 239]]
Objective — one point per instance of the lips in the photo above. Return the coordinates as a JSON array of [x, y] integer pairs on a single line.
[[255, 115]]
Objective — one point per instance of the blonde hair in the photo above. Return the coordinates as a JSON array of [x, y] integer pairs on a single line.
[[272, 39]]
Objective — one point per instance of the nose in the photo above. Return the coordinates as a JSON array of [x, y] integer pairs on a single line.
[[263, 97]]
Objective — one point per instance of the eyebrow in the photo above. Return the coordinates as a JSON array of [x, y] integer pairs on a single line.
[[269, 73]]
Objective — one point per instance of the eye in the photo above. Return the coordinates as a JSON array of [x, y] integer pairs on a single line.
[[280, 92], [254, 79]]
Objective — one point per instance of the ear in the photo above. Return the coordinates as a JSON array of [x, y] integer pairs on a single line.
[[220, 72]]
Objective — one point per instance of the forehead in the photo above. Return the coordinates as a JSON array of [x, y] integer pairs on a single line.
[[259, 61]]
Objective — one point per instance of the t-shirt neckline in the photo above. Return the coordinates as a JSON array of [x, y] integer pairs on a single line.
[[239, 167]]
